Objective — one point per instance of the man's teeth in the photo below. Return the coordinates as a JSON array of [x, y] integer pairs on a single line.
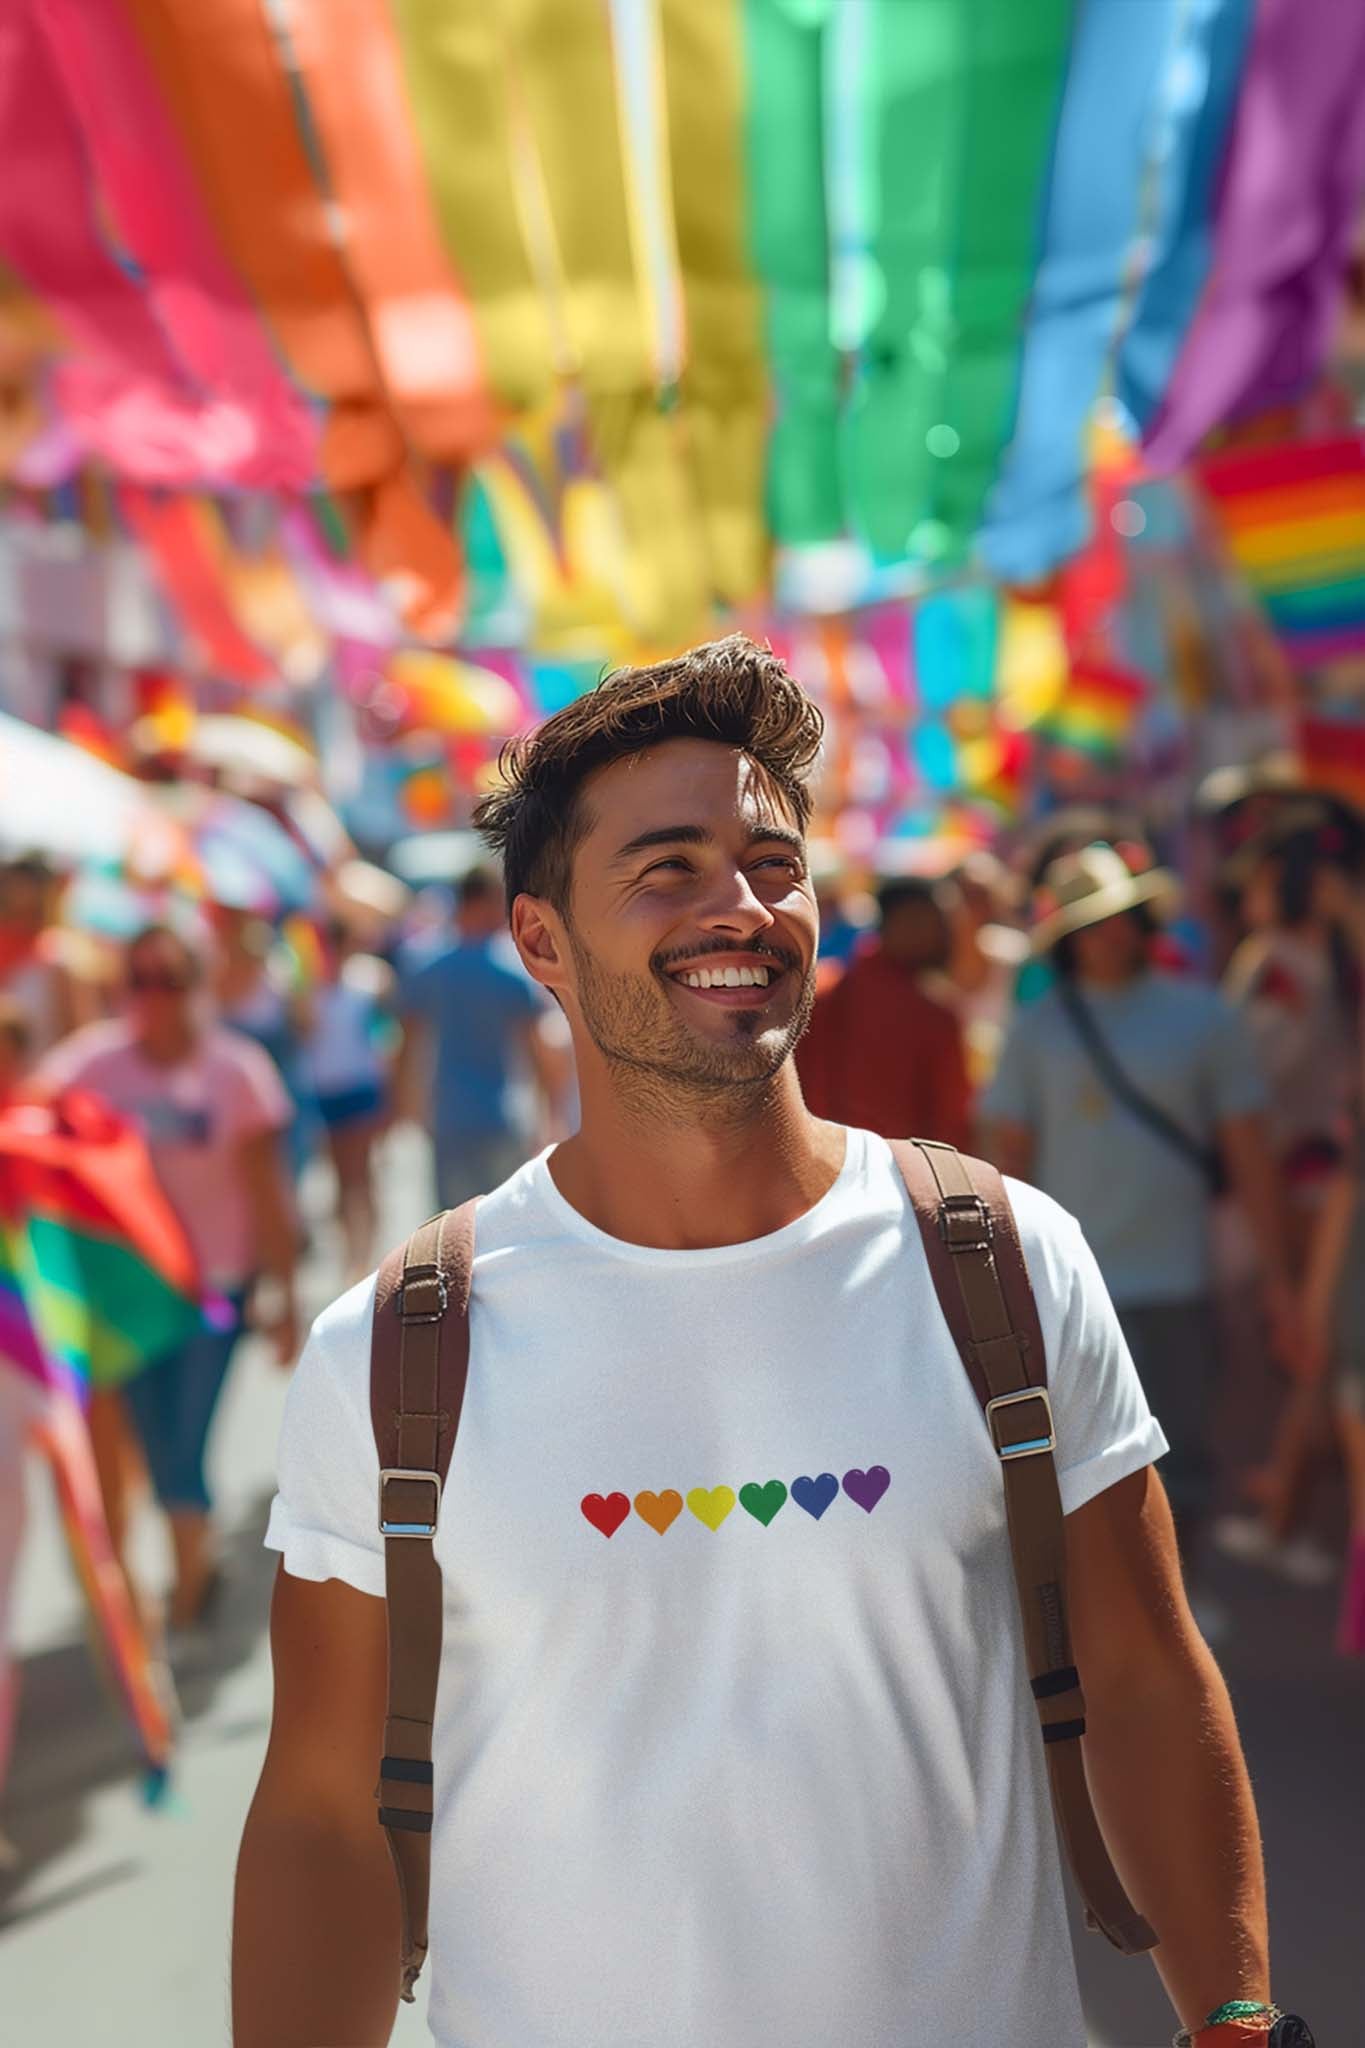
[[727, 977]]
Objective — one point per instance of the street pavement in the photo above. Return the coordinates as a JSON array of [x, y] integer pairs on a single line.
[[114, 1926]]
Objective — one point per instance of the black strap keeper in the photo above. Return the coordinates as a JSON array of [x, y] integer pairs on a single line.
[[1066, 1679], [399, 1817], [404, 1770], [1062, 1731]]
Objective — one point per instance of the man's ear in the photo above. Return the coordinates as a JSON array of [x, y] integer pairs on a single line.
[[538, 934]]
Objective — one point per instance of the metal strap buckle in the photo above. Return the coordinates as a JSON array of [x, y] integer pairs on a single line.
[[964, 1223], [1029, 1447], [426, 1529], [414, 1280]]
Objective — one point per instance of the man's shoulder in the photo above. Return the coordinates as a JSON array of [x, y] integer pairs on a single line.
[[87, 1048], [225, 1045], [1197, 1004], [1049, 1236], [341, 1331]]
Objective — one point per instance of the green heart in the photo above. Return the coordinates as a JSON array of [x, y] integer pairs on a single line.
[[762, 1502]]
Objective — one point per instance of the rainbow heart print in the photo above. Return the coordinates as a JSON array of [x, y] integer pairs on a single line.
[[712, 1506]]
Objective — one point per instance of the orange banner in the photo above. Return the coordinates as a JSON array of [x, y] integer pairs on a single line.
[[223, 75]]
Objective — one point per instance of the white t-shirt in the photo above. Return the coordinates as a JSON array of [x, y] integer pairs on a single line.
[[770, 1771]]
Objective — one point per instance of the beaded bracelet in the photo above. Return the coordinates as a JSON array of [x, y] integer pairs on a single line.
[[1230, 2014]]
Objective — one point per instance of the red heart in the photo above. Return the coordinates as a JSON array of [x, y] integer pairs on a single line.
[[606, 1515]]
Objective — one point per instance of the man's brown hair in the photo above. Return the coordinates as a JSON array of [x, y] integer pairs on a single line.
[[728, 690]]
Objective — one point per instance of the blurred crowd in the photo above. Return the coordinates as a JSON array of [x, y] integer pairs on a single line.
[[242, 1054], [1171, 1046]]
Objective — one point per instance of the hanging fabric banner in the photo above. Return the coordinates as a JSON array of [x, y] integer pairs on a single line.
[[1195, 102], [461, 93], [420, 318], [1037, 512], [220, 69], [784, 133], [124, 395], [724, 376], [1288, 201], [190, 289], [961, 100], [167, 524]]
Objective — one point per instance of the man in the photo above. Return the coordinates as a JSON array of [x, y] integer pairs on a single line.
[[471, 1021], [1141, 1178], [722, 1774], [881, 1052]]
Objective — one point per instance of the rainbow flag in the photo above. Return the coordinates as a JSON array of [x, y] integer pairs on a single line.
[[138, 1679], [96, 1275], [1293, 519], [1097, 711]]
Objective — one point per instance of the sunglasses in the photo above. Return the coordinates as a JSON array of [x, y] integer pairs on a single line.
[[165, 983]]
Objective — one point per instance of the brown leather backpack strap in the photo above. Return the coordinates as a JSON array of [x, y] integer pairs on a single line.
[[419, 1364], [977, 1265]]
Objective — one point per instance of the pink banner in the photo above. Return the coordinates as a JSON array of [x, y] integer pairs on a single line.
[[190, 288], [125, 396]]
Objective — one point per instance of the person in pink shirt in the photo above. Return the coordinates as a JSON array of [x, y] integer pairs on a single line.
[[211, 1106]]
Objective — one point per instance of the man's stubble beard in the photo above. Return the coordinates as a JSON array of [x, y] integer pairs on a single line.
[[659, 1064]]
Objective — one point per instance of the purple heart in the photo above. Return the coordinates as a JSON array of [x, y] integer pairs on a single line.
[[867, 1487], [815, 1495]]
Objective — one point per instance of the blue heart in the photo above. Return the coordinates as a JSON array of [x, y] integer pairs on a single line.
[[815, 1495]]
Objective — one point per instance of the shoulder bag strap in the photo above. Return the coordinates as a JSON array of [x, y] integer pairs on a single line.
[[1105, 1063], [977, 1265], [419, 1363]]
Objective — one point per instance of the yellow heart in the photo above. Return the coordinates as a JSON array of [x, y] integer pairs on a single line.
[[711, 1504]]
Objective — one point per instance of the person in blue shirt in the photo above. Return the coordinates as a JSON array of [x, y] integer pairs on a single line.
[[1142, 1182], [473, 1033]]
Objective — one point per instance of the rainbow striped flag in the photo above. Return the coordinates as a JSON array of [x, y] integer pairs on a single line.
[[96, 1275], [1293, 519], [1097, 711]]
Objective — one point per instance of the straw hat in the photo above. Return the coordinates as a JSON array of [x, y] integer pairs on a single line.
[[1097, 883]]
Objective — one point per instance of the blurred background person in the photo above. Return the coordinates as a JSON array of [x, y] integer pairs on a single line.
[[1125, 1093], [475, 1068], [211, 1107], [986, 950], [345, 1065], [38, 961], [1296, 978], [1334, 1312], [256, 992], [882, 1052]]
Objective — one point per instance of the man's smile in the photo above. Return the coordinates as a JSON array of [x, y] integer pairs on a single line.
[[730, 980]]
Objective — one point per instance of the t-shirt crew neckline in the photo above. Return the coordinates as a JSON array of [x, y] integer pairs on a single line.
[[801, 1230]]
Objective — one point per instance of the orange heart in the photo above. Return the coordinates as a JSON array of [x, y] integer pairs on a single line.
[[660, 1510]]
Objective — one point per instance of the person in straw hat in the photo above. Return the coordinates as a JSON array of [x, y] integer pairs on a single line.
[[1131, 1096]]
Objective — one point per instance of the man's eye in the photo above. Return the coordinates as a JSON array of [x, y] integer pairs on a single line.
[[675, 860]]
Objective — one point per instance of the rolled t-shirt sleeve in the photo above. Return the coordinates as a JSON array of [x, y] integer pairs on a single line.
[[1105, 1430], [324, 1519], [254, 1093]]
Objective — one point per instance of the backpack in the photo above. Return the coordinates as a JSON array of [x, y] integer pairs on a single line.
[[419, 1366]]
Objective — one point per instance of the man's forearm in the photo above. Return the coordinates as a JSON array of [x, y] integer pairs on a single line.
[[1174, 1800], [315, 1934]]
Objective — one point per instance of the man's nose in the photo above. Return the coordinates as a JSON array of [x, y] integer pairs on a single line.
[[731, 905]]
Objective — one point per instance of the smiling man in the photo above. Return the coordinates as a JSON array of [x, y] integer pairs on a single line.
[[733, 1740]]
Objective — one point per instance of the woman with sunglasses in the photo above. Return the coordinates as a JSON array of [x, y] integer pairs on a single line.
[[211, 1106]]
